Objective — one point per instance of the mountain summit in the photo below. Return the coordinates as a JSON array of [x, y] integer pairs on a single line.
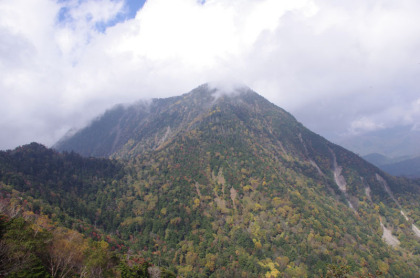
[[230, 185], [126, 131]]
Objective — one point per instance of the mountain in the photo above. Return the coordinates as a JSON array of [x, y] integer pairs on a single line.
[[126, 131], [398, 141], [50, 205], [407, 168], [401, 166], [227, 184], [39, 171], [377, 159]]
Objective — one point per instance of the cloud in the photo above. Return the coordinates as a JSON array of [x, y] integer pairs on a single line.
[[364, 124], [337, 66]]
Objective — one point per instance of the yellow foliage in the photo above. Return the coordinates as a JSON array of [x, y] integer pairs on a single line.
[[297, 194], [247, 188], [273, 272], [67, 250], [296, 271], [103, 245], [185, 270], [191, 258], [327, 239], [163, 211], [175, 221], [257, 243], [229, 219], [196, 203], [210, 261], [310, 236], [130, 221], [282, 261], [383, 267], [279, 229], [294, 219], [282, 212], [276, 201], [257, 207]]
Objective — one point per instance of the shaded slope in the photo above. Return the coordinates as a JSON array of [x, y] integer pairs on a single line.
[[66, 182], [129, 130]]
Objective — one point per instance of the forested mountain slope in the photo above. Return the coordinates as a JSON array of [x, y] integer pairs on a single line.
[[130, 130], [230, 185]]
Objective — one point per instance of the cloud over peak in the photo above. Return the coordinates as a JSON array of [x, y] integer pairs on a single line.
[[337, 66]]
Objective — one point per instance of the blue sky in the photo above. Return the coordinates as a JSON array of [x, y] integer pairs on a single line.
[[134, 6], [131, 7]]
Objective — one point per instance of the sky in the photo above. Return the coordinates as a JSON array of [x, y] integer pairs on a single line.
[[341, 67]]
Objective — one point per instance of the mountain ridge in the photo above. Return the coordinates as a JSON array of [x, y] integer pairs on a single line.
[[235, 186], [400, 166], [393, 142], [137, 117]]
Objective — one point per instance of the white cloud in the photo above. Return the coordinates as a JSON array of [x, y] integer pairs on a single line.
[[364, 124], [337, 66]]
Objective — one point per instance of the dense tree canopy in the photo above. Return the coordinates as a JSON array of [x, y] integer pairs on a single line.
[[239, 190]]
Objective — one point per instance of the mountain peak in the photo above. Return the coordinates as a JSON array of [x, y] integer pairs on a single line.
[[129, 130], [230, 174], [216, 90]]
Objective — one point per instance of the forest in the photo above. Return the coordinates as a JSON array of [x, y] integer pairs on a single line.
[[239, 190]]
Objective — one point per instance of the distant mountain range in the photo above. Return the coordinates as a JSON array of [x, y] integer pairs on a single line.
[[224, 184], [396, 142], [402, 166]]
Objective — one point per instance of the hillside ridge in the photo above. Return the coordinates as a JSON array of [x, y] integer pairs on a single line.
[[234, 186]]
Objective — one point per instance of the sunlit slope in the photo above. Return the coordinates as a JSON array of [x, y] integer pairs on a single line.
[[230, 183]]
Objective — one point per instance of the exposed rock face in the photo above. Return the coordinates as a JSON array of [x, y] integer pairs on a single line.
[[388, 237]]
